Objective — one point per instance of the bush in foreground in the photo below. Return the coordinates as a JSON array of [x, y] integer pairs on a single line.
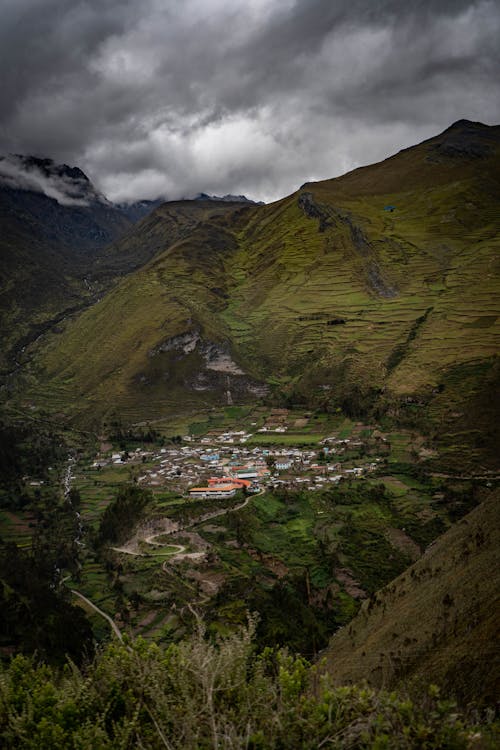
[[200, 694]]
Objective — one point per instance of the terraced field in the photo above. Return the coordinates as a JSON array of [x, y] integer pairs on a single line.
[[16, 527], [329, 297]]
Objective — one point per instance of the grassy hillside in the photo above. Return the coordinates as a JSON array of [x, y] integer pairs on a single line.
[[57, 259], [370, 292], [135, 353], [47, 251], [435, 622]]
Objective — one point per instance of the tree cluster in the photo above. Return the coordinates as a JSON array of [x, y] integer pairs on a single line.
[[122, 514]]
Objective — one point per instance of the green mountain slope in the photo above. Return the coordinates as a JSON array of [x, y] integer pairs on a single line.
[[48, 249], [59, 257], [375, 292], [437, 622]]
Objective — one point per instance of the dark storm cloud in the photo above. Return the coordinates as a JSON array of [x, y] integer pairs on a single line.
[[155, 97]]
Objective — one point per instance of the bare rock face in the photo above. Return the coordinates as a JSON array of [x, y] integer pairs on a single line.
[[210, 367], [314, 210], [184, 342], [219, 359]]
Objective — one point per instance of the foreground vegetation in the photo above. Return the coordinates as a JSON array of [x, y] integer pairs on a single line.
[[222, 694]]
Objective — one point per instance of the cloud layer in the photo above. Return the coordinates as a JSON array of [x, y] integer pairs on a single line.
[[69, 187], [175, 97]]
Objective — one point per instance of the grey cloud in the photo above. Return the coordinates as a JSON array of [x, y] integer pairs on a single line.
[[153, 97], [40, 176]]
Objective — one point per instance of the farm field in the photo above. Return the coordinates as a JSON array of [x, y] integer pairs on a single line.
[[323, 548]]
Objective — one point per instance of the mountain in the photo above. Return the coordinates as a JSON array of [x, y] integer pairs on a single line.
[[157, 231], [54, 223], [69, 186], [139, 209], [375, 292], [437, 622], [56, 226], [227, 199]]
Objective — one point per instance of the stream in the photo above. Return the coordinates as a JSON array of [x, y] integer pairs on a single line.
[[67, 479]]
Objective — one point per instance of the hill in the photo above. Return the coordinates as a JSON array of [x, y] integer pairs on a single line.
[[53, 224], [58, 246], [375, 292], [437, 622]]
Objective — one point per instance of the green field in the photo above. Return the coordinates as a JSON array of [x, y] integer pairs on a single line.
[[285, 438]]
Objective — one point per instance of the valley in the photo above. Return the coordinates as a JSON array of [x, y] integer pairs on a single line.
[[323, 299], [249, 375], [274, 424], [336, 510]]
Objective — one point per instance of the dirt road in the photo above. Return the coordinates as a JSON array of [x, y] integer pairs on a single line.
[[114, 626]]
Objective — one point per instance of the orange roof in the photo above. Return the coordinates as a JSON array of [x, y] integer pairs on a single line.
[[219, 480]]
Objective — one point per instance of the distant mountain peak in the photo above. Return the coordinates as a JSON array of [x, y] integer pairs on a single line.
[[69, 186], [464, 139], [226, 199], [49, 167], [137, 210], [463, 123]]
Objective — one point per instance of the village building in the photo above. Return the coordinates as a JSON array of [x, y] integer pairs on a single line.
[[217, 492], [218, 481], [249, 472], [283, 465]]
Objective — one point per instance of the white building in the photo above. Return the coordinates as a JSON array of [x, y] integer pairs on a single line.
[[216, 493]]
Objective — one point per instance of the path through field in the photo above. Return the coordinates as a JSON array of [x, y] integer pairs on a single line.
[[114, 626]]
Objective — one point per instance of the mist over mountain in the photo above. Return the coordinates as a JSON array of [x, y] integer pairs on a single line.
[[68, 186]]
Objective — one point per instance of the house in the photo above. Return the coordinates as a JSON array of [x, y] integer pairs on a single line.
[[217, 481], [217, 492], [249, 472], [319, 468], [283, 465]]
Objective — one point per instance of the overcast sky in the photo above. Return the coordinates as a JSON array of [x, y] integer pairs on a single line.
[[173, 97]]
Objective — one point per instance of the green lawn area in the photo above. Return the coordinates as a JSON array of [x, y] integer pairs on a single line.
[[285, 438], [400, 443]]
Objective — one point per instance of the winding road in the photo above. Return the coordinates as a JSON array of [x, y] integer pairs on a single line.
[[181, 547], [114, 626], [179, 555]]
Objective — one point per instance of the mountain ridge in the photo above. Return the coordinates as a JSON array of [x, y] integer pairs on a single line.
[[433, 623], [366, 292], [56, 230]]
